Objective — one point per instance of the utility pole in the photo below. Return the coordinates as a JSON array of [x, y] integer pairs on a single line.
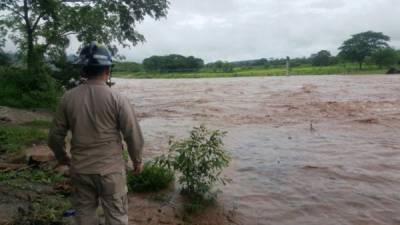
[[287, 66]]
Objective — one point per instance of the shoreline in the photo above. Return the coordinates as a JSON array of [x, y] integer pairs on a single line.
[[244, 76]]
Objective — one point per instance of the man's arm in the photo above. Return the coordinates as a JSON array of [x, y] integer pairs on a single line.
[[131, 131], [57, 134]]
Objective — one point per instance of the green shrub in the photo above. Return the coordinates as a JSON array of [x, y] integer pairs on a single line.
[[199, 159], [21, 89], [152, 178], [14, 137]]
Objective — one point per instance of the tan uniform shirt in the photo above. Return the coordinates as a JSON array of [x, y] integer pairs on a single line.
[[96, 115]]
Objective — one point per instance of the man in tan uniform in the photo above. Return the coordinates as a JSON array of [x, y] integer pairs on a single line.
[[96, 115]]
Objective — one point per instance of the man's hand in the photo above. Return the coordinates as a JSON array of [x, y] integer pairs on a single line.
[[137, 168], [63, 169]]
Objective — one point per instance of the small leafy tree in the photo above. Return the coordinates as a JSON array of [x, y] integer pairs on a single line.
[[385, 57], [200, 159]]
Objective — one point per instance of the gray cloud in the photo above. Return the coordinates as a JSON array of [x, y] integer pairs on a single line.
[[247, 29]]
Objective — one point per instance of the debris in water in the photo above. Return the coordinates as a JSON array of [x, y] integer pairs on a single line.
[[369, 121], [312, 129]]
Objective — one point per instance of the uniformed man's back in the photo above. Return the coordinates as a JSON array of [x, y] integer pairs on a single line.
[[97, 116], [92, 113]]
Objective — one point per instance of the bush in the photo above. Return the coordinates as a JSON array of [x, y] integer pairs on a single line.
[[152, 178], [21, 89], [200, 159]]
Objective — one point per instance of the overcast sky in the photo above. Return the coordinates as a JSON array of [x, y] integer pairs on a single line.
[[249, 29]]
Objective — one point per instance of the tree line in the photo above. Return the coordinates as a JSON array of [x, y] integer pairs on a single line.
[[367, 47], [172, 63]]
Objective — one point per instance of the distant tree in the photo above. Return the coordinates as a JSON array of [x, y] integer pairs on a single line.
[[335, 60], [362, 45], [385, 57], [262, 62], [398, 56], [322, 58], [295, 62], [221, 66], [42, 26], [127, 67], [172, 63], [277, 62]]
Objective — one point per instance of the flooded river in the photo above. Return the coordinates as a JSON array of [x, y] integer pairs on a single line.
[[321, 150]]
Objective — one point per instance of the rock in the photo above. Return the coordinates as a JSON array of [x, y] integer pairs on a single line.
[[393, 71], [39, 154], [5, 119]]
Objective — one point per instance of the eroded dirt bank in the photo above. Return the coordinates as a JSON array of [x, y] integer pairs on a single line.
[[307, 150]]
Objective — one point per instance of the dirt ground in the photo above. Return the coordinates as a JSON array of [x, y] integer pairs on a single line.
[[307, 149]]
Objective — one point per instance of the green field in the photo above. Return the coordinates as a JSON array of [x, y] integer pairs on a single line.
[[258, 71]]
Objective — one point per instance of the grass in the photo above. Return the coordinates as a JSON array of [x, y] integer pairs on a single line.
[[41, 124], [260, 71], [19, 179], [43, 212], [14, 138], [153, 178]]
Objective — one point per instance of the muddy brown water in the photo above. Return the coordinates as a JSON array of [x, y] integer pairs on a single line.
[[321, 150]]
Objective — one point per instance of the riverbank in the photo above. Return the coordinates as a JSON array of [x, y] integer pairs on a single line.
[[257, 72]]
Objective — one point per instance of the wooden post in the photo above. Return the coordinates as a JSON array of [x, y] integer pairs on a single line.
[[287, 66]]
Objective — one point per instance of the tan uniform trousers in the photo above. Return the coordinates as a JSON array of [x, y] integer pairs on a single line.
[[89, 190]]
